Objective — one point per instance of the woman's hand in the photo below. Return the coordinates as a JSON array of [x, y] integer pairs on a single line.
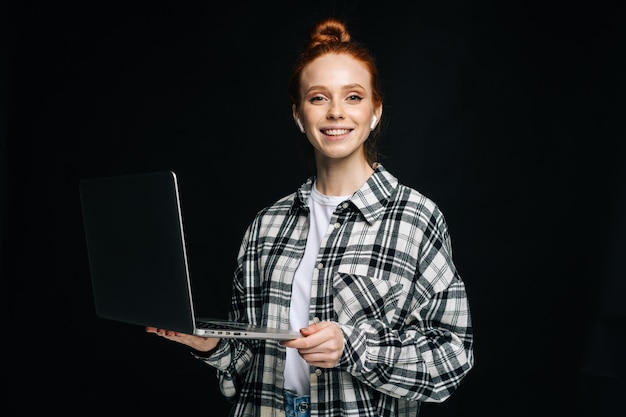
[[201, 344], [321, 346]]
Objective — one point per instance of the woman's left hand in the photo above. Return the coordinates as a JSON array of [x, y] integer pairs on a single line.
[[321, 345]]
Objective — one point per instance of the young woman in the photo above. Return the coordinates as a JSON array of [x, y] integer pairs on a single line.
[[359, 263]]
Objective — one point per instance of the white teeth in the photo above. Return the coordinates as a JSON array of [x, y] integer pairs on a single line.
[[336, 132]]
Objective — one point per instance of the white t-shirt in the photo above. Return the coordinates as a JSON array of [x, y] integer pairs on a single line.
[[321, 209]]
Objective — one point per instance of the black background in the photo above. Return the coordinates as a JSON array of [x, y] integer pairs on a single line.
[[509, 115]]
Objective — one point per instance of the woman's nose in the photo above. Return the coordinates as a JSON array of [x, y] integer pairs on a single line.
[[335, 112]]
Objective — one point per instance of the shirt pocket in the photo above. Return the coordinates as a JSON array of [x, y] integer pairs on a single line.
[[359, 298]]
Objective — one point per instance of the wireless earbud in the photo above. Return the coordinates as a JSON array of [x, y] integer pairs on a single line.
[[373, 125], [300, 125]]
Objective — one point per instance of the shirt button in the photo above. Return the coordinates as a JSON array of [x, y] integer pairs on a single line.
[[344, 205], [320, 265], [337, 225], [316, 319], [318, 372]]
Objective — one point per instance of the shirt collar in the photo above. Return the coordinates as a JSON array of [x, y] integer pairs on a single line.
[[370, 199]]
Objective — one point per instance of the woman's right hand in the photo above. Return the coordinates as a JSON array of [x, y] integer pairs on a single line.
[[201, 344]]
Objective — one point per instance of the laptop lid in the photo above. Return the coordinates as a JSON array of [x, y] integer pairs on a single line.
[[136, 250], [137, 256]]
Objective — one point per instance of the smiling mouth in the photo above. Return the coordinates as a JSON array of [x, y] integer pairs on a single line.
[[336, 132]]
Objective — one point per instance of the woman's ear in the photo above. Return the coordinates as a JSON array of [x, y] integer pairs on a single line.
[[296, 117], [378, 112]]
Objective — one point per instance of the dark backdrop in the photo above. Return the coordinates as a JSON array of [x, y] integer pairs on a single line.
[[508, 114]]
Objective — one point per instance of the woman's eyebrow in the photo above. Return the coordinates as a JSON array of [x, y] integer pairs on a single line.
[[353, 86]]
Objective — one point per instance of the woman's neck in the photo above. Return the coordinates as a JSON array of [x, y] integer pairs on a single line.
[[338, 179]]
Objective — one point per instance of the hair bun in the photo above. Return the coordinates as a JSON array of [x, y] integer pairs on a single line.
[[328, 30]]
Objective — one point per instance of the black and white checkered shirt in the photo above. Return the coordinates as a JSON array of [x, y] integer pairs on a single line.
[[384, 273]]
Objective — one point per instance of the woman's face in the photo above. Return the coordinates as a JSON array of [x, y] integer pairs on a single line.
[[337, 109]]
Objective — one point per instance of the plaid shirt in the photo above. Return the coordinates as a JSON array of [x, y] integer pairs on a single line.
[[384, 273]]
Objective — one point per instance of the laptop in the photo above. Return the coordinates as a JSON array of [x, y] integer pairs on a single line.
[[138, 261]]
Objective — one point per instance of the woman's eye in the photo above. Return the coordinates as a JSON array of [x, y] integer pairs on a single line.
[[316, 98], [355, 97]]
